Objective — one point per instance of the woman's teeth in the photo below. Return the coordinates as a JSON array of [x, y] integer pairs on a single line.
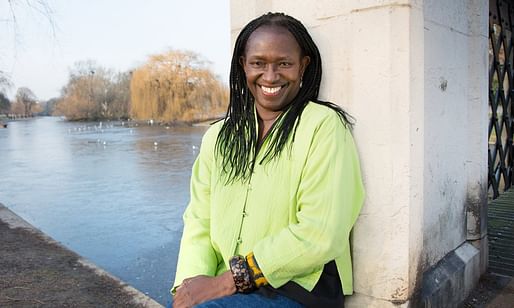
[[270, 90]]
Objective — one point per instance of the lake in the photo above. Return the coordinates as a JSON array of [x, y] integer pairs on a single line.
[[112, 193]]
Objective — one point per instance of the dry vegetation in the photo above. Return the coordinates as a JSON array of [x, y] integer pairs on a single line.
[[94, 93], [176, 87], [171, 87], [25, 103]]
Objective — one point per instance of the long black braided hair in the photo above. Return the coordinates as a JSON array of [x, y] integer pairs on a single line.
[[237, 141]]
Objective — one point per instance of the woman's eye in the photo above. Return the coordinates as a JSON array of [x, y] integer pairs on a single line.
[[285, 64], [257, 64]]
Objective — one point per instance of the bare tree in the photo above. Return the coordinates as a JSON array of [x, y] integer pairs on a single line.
[[27, 99], [9, 18], [5, 82], [40, 7], [94, 93]]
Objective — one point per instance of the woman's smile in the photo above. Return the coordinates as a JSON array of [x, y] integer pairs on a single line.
[[271, 91]]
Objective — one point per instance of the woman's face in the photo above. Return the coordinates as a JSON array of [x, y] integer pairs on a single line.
[[274, 66]]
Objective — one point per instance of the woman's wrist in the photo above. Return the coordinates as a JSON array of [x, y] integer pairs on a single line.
[[227, 283]]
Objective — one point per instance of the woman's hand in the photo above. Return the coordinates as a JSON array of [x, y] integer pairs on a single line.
[[199, 289]]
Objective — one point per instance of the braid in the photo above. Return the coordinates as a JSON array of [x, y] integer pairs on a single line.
[[237, 141]]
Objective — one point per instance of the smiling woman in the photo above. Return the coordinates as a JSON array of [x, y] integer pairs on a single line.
[[274, 65], [276, 188]]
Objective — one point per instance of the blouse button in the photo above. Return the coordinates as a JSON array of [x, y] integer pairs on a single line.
[[239, 240], [245, 214]]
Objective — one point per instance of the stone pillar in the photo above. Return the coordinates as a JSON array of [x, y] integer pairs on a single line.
[[456, 123], [414, 75]]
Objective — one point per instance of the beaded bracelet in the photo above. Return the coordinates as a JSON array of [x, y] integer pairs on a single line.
[[256, 274], [241, 274]]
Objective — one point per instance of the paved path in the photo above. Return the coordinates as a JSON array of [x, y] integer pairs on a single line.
[[36, 271]]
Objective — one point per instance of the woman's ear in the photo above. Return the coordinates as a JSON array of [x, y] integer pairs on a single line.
[[305, 62], [242, 62]]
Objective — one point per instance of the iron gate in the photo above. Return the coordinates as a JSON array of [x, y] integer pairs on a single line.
[[501, 95]]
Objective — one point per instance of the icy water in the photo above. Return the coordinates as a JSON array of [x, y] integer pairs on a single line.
[[112, 193]]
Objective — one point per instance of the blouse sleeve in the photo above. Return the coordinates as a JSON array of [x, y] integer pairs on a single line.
[[329, 197], [196, 256]]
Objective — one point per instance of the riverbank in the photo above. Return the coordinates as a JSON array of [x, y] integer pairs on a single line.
[[37, 271]]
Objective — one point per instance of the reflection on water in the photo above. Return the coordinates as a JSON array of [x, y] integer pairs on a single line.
[[113, 194]]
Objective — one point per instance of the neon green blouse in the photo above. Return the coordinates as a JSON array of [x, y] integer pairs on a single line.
[[295, 214]]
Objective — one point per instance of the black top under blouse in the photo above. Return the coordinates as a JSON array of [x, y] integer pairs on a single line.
[[326, 293]]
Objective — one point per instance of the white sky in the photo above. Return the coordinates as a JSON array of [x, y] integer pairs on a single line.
[[117, 34]]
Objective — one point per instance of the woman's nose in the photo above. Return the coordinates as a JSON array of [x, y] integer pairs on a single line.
[[270, 73]]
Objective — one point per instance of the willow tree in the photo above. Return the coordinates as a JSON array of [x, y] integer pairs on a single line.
[[176, 86]]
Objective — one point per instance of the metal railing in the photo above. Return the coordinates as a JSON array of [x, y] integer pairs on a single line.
[[501, 96]]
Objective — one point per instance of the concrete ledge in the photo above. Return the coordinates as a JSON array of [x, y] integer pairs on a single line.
[[447, 284], [452, 279], [483, 246], [88, 281], [138, 296], [358, 300]]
